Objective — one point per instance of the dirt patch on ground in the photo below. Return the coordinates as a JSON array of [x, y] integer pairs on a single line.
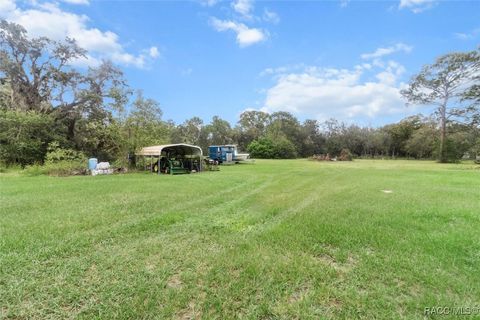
[[341, 267], [193, 310], [299, 294], [175, 282], [188, 313]]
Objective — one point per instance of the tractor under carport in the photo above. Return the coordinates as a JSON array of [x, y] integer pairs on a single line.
[[172, 158]]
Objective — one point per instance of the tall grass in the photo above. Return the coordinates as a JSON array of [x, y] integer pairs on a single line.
[[280, 239]]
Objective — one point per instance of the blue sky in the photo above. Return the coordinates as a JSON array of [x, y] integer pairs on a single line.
[[316, 59]]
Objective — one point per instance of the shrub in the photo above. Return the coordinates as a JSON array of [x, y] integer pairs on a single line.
[[24, 136], [261, 148], [266, 148], [62, 162], [35, 170], [66, 168], [61, 168], [457, 146], [345, 155], [56, 154], [284, 149], [120, 163]]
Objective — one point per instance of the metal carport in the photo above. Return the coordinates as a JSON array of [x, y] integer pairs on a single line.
[[169, 151]]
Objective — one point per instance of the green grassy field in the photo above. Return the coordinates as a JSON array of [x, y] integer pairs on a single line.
[[274, 240]]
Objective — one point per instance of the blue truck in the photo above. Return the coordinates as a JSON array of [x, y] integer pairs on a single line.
[[226, 153]]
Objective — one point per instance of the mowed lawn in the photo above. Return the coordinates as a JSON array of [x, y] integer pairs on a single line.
[[273, 240]]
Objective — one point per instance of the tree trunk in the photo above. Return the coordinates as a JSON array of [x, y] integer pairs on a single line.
[[71, 130], [442, 156]]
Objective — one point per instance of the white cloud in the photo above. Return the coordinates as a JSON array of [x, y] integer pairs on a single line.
[[275, 72], [416, 6], [81, 2], [245, 36], [344, 3], [363, 91], [153, 52], [468, 35], [270, 16], [243, 7], [50, 20], [243, 14], [381, 52], [6, 6], [186, 72], [209, 3]]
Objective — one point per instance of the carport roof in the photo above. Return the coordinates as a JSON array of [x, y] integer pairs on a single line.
[[157, 150]]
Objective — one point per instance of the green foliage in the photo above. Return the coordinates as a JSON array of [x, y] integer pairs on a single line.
[[283, 148], [5, 94], [401, 132], [93, 122], [143, 127], [475, 149], [61, 168], [101, 139], [57, 154], [458, 145], [345, 155], [218, 132], [266, 148], [423, 142], [191, 131], [24, 136], [251, 126], [121, 162], [35, 170], [312, 139], [261, 148], [451, 83], [59, 162]]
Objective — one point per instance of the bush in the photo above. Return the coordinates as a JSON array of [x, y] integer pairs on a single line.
[[24, 137], [345, 155], [120, 163], [35, 170], [59, 162], [284, 149], [58, 169], [265, 148], [261, 148], [4, 167], [57, 154], [66, 168], [457, 145]]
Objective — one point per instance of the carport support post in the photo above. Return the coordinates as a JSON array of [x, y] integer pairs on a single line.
[[151, 166], [158, 168]]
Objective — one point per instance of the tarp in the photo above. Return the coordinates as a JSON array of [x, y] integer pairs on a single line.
[[180, 148]]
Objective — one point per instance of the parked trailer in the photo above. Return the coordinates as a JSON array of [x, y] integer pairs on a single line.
[[226, 154]]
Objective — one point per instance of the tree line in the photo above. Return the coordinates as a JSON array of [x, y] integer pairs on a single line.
[[50, 110]]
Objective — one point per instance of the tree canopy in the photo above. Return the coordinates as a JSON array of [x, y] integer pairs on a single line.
[[49, 109], [447, 83]]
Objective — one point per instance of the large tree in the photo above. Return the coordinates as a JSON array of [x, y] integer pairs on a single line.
[[37, 68], [219, 132], [41, 78], [313, 140], [444, 84], [144, 124], [251, 126], [190, 131]]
